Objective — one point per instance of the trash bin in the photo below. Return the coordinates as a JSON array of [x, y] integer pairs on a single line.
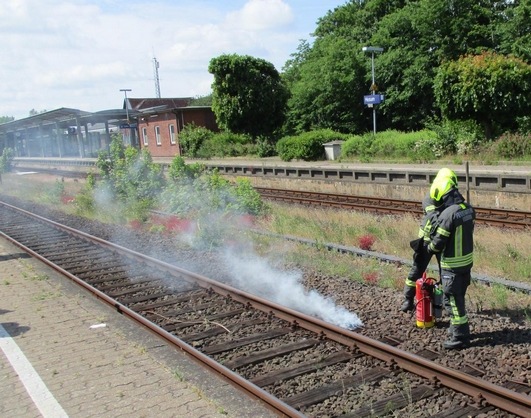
[[333, 149]]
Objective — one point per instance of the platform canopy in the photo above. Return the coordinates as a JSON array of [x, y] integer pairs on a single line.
[[65, 117]]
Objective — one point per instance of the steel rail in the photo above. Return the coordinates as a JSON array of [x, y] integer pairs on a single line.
[[412, 206], [478, 389], [488, 216], [273, 402]]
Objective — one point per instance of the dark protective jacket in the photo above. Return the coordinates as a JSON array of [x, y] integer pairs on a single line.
[[453, 237], [429, 219], [421, 257]]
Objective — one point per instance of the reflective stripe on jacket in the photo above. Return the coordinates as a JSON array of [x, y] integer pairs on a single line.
[[454, 237], [428, 220]]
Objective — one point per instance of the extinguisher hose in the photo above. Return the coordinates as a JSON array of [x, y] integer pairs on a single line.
[[415, 306], [438, 257]]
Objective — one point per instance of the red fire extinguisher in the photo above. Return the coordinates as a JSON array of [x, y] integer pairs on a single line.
[[424, 301]]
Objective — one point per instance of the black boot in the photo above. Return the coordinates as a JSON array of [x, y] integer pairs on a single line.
[[408, 305], [409, 294], [450, 330], [456, 343], [460, 337]]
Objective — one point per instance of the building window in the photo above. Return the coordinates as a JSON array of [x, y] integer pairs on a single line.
[[172, 134], [157, 135], [145, 136]]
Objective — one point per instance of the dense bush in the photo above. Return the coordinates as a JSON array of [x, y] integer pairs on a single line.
[[357, 146], [131, 177], [447, 139], [398, 144], [6, 160], [179, 170], [513, 146], [307, 146], [457, 137], [247, 198], [265, 147], [226, 144], [198, 193], [416, 146], [192, 138]]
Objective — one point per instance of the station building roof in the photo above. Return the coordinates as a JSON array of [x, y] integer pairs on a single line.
[[65, 117]]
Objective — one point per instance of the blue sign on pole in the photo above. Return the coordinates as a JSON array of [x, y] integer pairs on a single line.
[[373, 99]]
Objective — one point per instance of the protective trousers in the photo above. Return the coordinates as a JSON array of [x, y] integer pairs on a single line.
[[421, 260], [454, 291]]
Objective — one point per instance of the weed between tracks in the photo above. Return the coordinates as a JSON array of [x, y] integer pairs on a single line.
[[498, 253]]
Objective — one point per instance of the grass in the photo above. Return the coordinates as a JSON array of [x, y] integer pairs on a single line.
[[31, 274], [177, 374], [498, 253], [45, 296]]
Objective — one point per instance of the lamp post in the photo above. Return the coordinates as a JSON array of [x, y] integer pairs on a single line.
[[372, 50], [126, 104]]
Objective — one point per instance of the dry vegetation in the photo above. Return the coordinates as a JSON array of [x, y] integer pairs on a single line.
[[499, 253]]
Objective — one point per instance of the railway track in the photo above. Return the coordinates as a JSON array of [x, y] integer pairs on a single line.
[[487, 216], [297, 364], [503, 218]]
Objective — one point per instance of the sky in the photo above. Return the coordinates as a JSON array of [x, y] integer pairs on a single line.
[[80, 53]]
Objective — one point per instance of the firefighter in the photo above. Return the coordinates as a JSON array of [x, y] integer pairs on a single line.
[[421, 257], [453, 241]]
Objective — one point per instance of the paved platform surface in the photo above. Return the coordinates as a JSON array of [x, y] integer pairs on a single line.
[[63, 353]]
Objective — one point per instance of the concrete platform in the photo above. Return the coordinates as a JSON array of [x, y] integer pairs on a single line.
[[63, 353]]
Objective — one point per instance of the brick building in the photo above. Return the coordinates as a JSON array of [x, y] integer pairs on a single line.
[[159, 121], [153, 124]]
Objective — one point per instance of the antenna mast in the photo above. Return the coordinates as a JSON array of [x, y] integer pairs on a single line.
[[156, 74]]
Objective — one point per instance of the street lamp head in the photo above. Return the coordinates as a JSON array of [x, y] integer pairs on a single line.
[[372, 49]]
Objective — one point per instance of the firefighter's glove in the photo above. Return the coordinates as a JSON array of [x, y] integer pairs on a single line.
[[416, 244], [419, 257]]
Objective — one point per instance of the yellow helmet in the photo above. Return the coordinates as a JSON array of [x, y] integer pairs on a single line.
[[443, 183]]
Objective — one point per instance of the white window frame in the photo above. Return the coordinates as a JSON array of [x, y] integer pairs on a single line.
[[171, 128], [157, 135], [145, 136]]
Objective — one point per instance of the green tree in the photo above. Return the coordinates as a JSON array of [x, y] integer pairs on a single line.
[[291, 70], [514, 30], [326, 91], [248, 95], [328, 80], [417, 37], [5, 119], [202, 100], [487, 87]]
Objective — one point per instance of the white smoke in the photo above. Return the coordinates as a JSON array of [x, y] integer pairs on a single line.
[[211, 227], [256, 275]]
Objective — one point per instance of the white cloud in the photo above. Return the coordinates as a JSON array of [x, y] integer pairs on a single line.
[[81, 74], [80, 53], [258, 15]]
